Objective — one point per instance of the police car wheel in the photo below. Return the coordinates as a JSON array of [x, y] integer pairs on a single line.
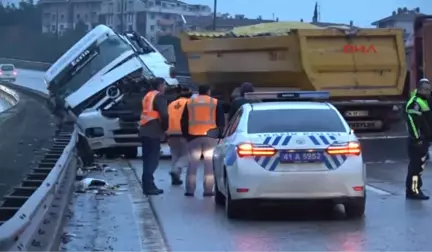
[[355, 208], [232, 207], [219, 197]]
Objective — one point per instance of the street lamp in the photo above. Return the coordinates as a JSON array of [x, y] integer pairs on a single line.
[[214, 14]]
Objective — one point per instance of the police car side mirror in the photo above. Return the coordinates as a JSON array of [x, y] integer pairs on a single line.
[[214, 133]]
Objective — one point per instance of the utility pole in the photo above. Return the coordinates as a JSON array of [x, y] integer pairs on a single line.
[[57, 23], [214, 14], [122, 16]]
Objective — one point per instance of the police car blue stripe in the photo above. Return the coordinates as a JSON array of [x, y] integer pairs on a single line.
[[336, 161], [265, 161], [314, 140], [327, 162], [267, 140], [286, 140], [274, 164], [277, 140], [332, 137], [324, 139]]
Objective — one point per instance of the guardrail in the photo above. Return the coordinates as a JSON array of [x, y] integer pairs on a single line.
[[9, 95], [31, 217], [27, 64]]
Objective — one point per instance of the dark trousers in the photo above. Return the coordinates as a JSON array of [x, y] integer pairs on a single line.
[[418, 155], [150, 157]]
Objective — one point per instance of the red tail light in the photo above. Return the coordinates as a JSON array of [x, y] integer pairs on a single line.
[[252, 150], [350, 148]]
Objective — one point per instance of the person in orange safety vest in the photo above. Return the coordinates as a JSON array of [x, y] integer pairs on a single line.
[[176, 141], [153, 124], [201, 114]]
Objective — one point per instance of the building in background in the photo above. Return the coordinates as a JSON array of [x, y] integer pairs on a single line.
[[401, 18], [150, 17], [224, 22]]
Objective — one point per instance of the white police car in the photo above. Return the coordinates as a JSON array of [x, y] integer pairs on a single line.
[[289, 150]]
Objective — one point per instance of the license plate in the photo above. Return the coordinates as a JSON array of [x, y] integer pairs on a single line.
[[365, 125], [301, 157], [356, 113]]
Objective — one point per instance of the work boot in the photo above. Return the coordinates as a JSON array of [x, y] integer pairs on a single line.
[[153, 191], [188, 194], [175, 179], [417, 196]]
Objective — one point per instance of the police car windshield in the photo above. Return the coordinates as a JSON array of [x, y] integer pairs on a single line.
[[96, 57], [294, 120]]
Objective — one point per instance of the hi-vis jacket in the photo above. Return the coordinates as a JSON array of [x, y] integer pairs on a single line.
[[148, 112], [418, 118], [201, 114], [175, 111]]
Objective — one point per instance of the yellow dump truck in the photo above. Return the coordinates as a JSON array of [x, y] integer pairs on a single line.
[[363, 69]]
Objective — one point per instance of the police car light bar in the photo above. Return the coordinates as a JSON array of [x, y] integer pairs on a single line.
[[289, 95]]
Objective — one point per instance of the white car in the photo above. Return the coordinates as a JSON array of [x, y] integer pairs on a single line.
[[8, 72], [289, 150]]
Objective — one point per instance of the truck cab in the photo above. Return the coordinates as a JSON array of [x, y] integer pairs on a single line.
[[95, 77]]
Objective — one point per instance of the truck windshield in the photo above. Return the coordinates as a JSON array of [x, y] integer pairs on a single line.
[[294, 120], [90, 62]]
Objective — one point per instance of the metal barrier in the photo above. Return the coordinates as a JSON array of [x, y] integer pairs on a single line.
[[31, 217], [9, 95]]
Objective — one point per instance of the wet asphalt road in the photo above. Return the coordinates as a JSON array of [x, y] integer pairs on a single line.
[[391, 222]]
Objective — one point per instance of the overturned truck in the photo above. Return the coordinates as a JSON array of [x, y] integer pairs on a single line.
[[100, 82]]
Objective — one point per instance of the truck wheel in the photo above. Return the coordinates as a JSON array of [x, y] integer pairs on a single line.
[[130, 152], [111, 153]]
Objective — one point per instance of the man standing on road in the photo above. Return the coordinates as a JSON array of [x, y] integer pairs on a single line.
[[153, 124], [245, 87], [201, 114], [418, 119], [177, 143]]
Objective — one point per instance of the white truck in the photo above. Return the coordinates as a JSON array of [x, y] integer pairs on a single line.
[[99, 83]]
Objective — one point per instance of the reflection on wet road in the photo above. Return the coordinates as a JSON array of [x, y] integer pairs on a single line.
[[391, 222]]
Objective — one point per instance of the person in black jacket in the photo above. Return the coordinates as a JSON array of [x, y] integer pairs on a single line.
[[246, 87], [419, 124]]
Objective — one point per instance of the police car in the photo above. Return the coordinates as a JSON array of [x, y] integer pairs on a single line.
[[288, 150]]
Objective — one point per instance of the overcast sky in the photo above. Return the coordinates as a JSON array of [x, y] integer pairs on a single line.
[[363, 13]]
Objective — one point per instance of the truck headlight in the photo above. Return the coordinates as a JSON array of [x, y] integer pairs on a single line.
[[94, 132]]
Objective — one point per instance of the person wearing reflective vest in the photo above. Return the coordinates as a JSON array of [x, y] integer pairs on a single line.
[[153, 124], [201, 114], [418, 120], [177, 143]]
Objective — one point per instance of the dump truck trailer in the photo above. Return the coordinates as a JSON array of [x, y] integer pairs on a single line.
[[421, 50], [363, 69]]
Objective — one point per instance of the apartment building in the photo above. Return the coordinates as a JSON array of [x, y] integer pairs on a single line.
[[402, 18], [224, 22], [151, 17]]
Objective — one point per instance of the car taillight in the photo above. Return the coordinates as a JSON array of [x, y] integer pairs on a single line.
[[350, 148], [253, 150]]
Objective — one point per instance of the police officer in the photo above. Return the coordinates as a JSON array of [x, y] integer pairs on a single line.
[[201, 114], [418, 119], [177, 143], [153, 124]]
